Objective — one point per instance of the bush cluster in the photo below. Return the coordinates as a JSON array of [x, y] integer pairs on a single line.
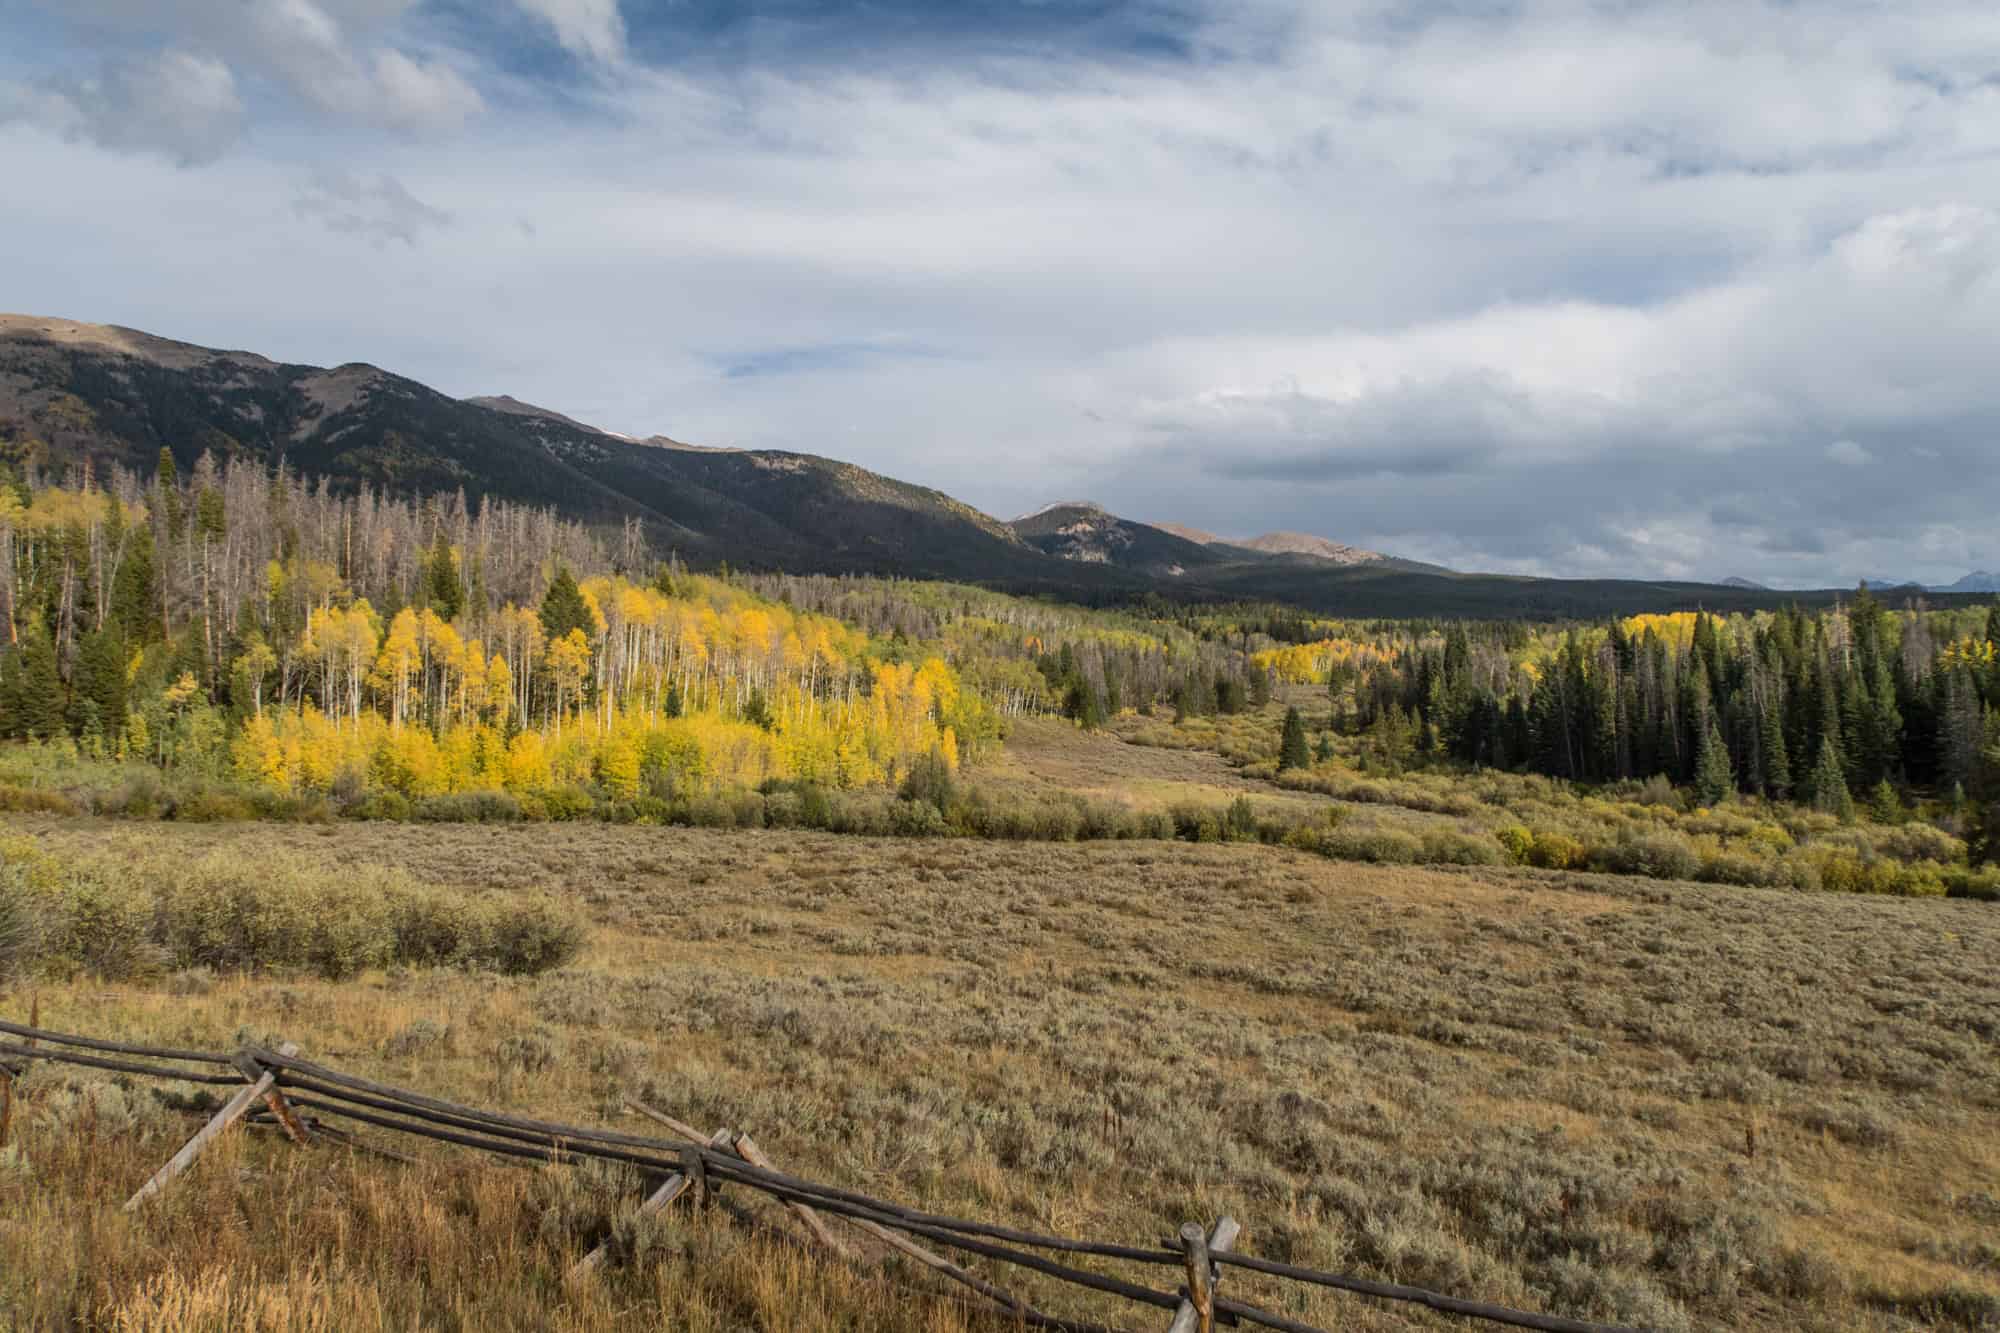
[[224, 913]]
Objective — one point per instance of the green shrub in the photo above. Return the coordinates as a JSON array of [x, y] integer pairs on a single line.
[[213, 807], [221, 913], [568, 803], [382, 805], [533, 936], [1740, 868], [930, 780], [916, 819], [1239, 822], [470, 807], [102, 924], [711, 812], [1450, 848], [1385, 846], [21, 923], [1197, 823], [1980, 885], [310, 808], [1654, 855], [33, 800]]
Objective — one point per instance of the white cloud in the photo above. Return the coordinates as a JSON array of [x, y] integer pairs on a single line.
[[1539, 289], [1848, 454], [382, 209], [591, 28], [179, 103], [186, 98]]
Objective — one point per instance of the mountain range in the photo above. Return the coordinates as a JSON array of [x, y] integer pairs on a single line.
[[74, 393], [1978, 581]]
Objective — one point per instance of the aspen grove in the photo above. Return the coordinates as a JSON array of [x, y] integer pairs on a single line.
[[274, 631]]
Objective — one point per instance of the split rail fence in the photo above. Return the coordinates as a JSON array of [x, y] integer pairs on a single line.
[[280, 1088]]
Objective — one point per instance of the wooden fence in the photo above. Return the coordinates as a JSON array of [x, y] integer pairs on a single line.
[[283, 1089]]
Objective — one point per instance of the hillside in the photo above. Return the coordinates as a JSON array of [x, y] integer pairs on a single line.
[[1084, 532], [1302, 543], [73, 393]]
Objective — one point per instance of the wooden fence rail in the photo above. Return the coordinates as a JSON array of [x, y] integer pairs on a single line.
[[294, 1092]]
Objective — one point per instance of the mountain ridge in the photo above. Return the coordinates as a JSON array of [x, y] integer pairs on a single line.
[[76, 394]]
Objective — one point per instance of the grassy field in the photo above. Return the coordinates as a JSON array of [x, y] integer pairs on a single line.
[[1675, 1105]]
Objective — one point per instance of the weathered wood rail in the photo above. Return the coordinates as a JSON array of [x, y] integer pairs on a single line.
[[293, 1089]]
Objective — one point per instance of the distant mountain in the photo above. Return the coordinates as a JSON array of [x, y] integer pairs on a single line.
[[1748, 584], [1304, 543], [513, 406], [1977, 581], [1085, 532], [1188, 534], [1298, 544], [74, 394]]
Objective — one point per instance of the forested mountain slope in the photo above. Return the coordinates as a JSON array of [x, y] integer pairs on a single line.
[[74, 393]]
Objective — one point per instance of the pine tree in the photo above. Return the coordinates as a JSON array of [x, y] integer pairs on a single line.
[[1777, 763], [563, 609], [98, 682], [1714, 780], [39, 698], [1829, 781], [132, 594], [1292, 750], [1982, 836], [166, 482], [441, 578], [1324, 750]]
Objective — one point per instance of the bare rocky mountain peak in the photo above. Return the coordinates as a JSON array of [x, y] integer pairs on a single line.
[[1305, 543]]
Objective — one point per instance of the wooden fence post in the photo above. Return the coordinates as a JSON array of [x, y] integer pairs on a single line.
[[274, 1100], [1197, 1312], [751, 1153], [670, 1189], [231, 1112], [7, 1076]]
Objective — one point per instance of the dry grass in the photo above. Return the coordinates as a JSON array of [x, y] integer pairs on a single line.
[[1676, 1105]]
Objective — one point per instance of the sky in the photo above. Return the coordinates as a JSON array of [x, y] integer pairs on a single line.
[[1649, 288]]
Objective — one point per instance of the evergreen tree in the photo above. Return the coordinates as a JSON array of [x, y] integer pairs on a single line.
[[1829, 781], [1982, 837], [98, 684], [40, 703], [1714, 780], [563, 609], [132, 594], [167, 489], [1292, 750], [1777, 761], [1324, 750], [447, 595]]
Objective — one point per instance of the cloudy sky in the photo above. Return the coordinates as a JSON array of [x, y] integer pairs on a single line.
[[1680, 288]]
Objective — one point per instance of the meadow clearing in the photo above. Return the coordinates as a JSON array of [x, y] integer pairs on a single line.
[[1675, 1105]]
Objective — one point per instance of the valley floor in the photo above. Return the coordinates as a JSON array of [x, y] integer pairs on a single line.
[[1663, 1104]]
